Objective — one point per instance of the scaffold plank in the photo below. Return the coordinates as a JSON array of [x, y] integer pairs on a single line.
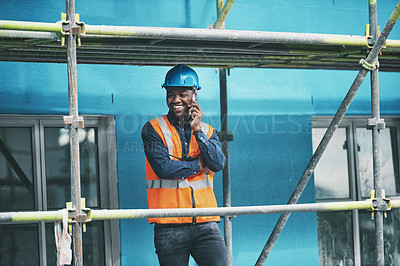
[[124, 45]]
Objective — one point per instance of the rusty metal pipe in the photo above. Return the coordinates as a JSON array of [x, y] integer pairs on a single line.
[[74, 135], [225, 143], [222, 13], [35, 216], [199, 34], [226, 171], [376, 141]]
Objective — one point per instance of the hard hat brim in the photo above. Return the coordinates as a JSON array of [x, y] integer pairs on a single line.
[[180, 86]]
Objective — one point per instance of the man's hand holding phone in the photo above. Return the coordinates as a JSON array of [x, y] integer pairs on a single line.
[[196, 114]]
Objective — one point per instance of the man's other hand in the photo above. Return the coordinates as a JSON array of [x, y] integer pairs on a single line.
[[203, 166]]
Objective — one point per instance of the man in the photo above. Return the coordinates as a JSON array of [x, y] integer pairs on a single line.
[[182, 152]]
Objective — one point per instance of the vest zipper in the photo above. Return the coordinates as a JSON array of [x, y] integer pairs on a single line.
[[193, 205]]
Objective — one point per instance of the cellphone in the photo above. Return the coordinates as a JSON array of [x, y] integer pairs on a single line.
[[194, 98]]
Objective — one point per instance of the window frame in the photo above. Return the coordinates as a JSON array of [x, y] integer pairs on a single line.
[[107, 168], [351, 123]]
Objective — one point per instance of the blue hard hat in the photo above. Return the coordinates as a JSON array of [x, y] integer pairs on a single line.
[[181, 76]]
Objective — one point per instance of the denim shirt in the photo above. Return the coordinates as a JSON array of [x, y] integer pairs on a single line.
[[159, 158]]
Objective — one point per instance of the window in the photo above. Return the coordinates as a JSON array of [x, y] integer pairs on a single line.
[[35, 176], [345, 173]]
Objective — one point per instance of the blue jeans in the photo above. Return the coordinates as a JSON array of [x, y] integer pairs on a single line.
[[175, 243]]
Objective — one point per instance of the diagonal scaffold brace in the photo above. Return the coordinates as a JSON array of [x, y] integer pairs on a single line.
[[329, 133]]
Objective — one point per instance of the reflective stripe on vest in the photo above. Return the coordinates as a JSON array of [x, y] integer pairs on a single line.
[[179, 183], [166, 133]]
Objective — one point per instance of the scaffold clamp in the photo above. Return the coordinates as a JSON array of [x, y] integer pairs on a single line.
[[77, 29], [379, 123], [76, 123], [370, 38], [383, 204], [369, 66], [73, 217], [225, 136]]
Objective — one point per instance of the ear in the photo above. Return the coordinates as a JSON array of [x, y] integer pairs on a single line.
[[194, 98]]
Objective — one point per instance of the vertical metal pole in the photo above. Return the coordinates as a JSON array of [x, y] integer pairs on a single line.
[[226, 170], [225, 143], [74, 137], [376, 140]]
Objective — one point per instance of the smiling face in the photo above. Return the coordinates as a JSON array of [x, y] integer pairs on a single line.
[[179, 99]]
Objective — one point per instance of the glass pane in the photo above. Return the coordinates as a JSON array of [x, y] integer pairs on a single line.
[[93, 244], [16, 170], [365, 162], [331, 174], [391, 232], [19, 245], [335, 238], [57, 151]]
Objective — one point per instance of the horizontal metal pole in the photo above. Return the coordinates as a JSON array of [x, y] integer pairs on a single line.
[[201, 34], [28, 34], [228, 35], [30, 26], [7, 217], [395, 204], [228, 211], [392, 44]]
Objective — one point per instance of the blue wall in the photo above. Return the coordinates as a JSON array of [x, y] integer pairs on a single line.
[[270, 109]]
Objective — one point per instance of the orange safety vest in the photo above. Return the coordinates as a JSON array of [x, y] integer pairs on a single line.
[[195, 191]]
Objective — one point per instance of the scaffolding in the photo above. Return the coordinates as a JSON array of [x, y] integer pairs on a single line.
[[224, 49]]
